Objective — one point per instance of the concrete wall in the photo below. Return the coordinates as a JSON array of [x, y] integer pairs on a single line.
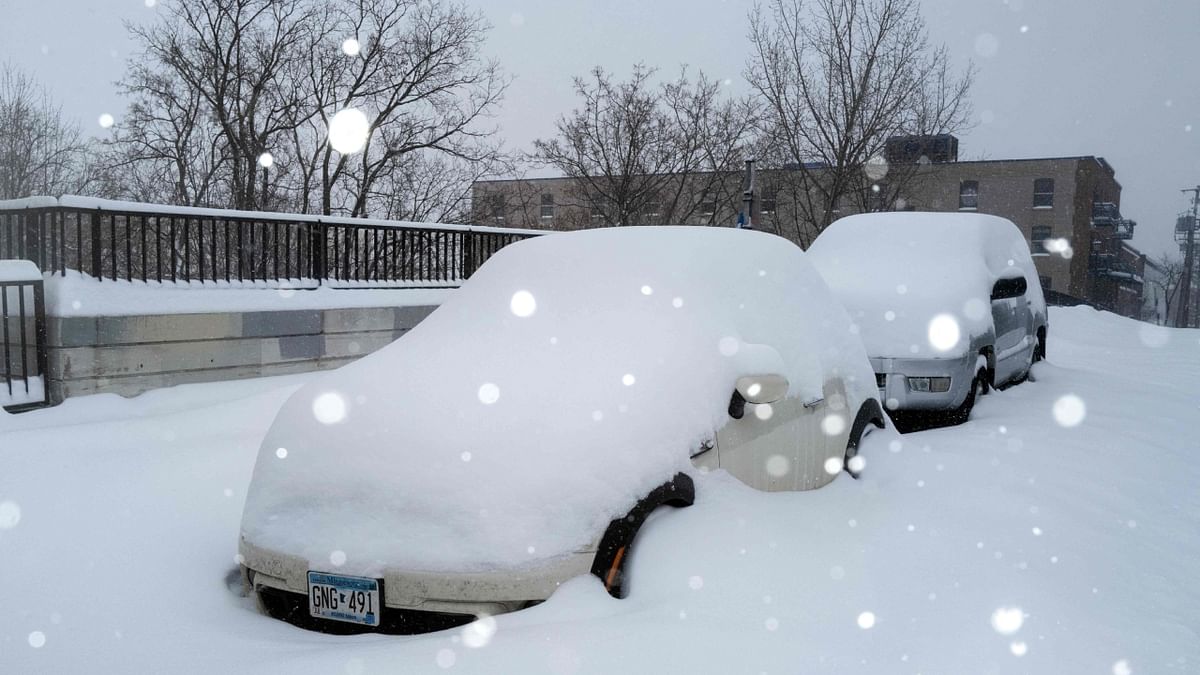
[[128, 355]]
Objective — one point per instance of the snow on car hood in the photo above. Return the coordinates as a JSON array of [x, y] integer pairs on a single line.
[[909, 279], [570, 376]]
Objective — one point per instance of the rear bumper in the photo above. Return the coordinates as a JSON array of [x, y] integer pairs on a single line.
[[896, 394], [280, 581]]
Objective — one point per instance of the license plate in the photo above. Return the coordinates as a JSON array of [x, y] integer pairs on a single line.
[[341, 598]]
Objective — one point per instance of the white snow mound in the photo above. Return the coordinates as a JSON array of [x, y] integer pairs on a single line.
[[569, 377]]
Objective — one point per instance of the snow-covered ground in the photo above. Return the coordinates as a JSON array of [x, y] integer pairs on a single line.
[[1057, 532]]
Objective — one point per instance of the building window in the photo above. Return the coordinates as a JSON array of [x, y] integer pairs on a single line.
[[1043, 193], [968, 195], [767, 204], [547, 212], [653, 210], [497, 208], [880, 201], [1038, 235], [708, 208]]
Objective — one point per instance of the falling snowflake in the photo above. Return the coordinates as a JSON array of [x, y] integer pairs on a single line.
[[10, 515], [329, 408], [728, 346], [349, 130], [832, 425], [266, 160], [523, 304], [1069, 410], [944, 332], [351, 47], [833, 465], [479, 632], [987, 45], [281, 453], [866, 620], [106, 121], [488, 393], [695, 582], [337, 558], [36, 639], [778, 465], [1007, 620]]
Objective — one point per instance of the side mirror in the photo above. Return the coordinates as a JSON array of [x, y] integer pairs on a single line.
[[762, 388], [1013, 287]]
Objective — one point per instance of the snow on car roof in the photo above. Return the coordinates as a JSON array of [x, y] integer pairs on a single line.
[[896, 272], [569, 377]]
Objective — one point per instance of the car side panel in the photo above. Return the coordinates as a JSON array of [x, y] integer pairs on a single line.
[[782, 446], [1014, 337]]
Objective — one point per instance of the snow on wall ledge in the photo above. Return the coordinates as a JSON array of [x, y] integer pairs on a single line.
[[79, 295], [19, 270]]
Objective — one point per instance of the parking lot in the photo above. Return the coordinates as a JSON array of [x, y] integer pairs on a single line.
[[1047, 530]]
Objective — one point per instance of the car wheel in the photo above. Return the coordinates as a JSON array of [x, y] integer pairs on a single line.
[[612, 555], [869, 418], [979, 387], [1039, 350]]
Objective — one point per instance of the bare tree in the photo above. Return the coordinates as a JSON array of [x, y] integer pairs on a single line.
[[40, 152], [164, 149], [222, 62], [1167, 283], [837, 79], [218, 83], [420, 77], [646, 154]]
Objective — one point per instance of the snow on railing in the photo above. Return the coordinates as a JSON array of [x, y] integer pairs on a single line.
[[151, 242], [22, 336]]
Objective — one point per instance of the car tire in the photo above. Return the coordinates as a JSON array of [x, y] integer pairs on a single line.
[[869, 417], [1039, 350], [612, 555], [979, 387]]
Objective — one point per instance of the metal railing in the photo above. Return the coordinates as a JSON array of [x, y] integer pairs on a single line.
[[146, 242], [23, 314]]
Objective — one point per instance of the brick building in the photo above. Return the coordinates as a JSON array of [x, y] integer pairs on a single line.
[[1067, 207]]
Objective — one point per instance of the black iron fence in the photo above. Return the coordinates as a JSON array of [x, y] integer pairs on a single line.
[[23, 314], [144, 242]]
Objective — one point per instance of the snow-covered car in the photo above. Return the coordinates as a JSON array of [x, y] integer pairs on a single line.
[[948, 305], [521, 433]]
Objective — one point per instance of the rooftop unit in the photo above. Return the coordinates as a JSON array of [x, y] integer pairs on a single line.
[[937, 149]]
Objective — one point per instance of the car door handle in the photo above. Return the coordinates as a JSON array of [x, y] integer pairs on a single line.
[[814, 402]]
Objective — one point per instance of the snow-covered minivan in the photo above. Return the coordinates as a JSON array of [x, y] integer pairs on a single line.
[[521, 433], [947, 304]]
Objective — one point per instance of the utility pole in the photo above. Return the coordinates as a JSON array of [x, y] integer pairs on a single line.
[[1188, 260]]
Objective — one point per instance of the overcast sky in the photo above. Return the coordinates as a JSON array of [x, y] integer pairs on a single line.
[[1114, 78]]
